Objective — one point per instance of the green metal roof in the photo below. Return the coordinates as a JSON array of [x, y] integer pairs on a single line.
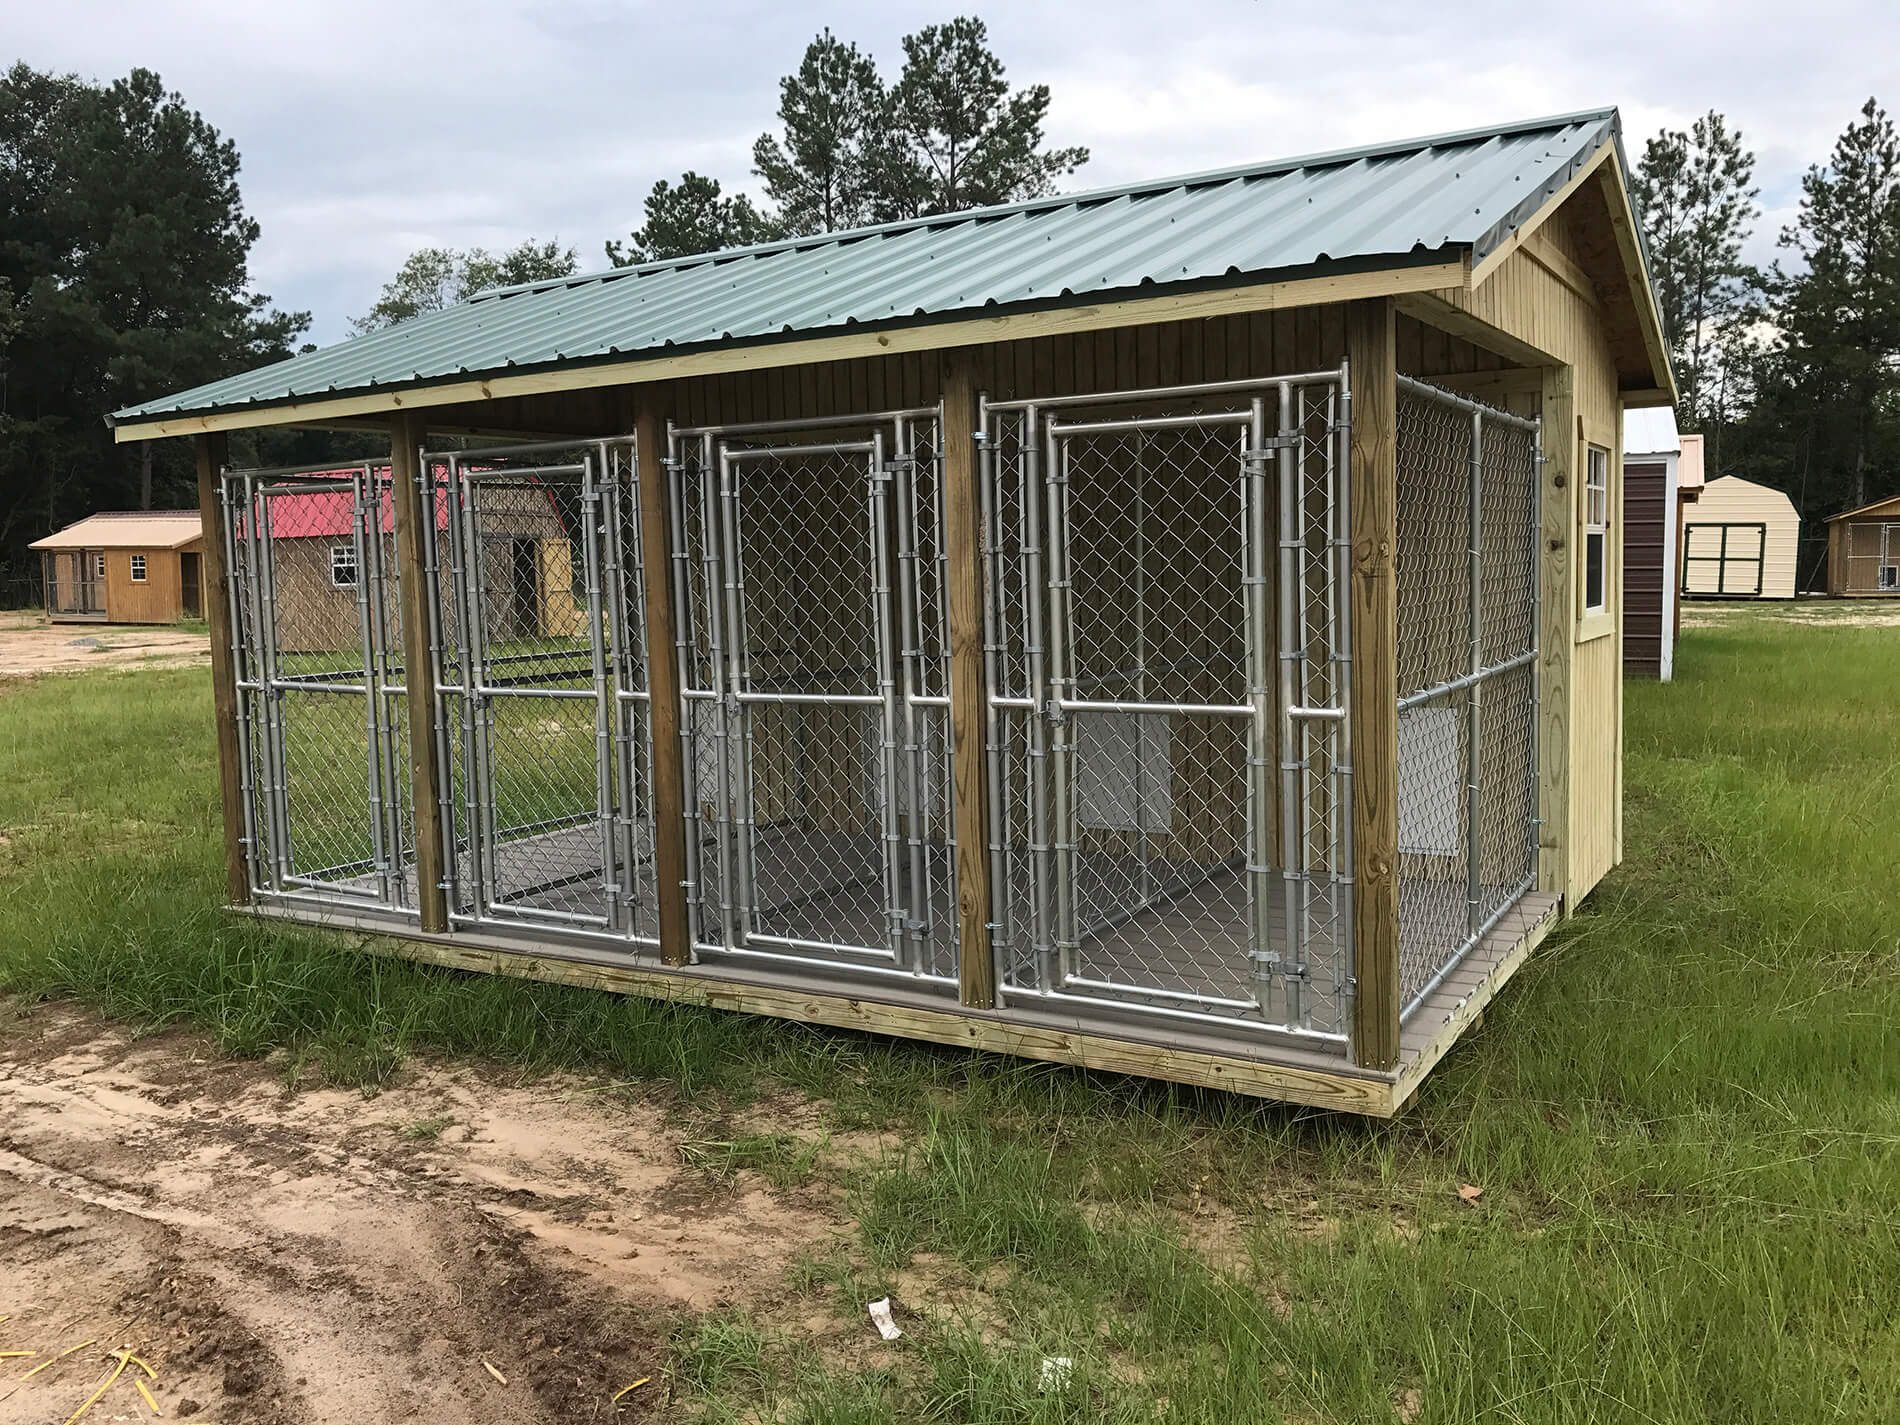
[[1380, 206]]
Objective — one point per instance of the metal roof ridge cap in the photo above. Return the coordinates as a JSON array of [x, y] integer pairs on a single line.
[[1259, 169]]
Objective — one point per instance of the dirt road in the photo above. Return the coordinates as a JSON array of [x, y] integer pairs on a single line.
[[319, 1255], [29, 644]]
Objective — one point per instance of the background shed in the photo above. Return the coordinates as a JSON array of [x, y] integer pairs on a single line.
[[1863, 551], [1740, 542], [124, 566]]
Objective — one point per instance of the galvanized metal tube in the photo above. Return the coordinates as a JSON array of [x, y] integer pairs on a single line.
[[998, 765], [679, 572], [1292, 731], [1474, 697], [480, 704], [1253, 500], [877, 510], [1339, 623], [848, 422], [461, 583], [910, 659], [1465, 680], [1145, 888], [1534, 499], [616, 489], [712, 539], [1464, 403], [279, 800], [240, 664], [1199, 421], [1061, 685], [1148, 393], [591, 524], [1035, 592], [738, 661], [1113, 705], [372, 754], [388, 759]]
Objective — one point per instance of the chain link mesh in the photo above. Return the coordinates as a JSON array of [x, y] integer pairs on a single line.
[[1871, 558], [811, 568], [1136, 843], [1467, 640]]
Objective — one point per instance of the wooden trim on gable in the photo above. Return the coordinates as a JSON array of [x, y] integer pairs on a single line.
[[1494, 259]]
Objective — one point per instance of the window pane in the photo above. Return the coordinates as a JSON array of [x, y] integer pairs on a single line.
[[1593, 570]]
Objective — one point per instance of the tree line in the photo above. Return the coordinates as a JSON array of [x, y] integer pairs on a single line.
[[124, 251], [1791, 372]]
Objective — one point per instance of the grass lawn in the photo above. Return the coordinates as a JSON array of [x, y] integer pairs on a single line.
[[1684, 1114]]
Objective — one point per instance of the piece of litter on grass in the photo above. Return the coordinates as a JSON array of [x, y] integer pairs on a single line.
[[4, 1355], [1055, 1372], [881, 1318], [629, 1389], [1470, 1193], [148, 1397], [489, 1366]]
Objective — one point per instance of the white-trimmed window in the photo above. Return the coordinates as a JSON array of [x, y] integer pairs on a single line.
[[1596, 529], [138, 568], [343, 566], [99, 564]]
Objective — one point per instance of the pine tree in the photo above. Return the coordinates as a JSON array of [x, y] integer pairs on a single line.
[[968, 141], [1695, 191], [688, 218], [822, 171], [1841, 315]]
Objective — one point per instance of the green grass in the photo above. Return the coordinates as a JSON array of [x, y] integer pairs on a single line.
[[1685, 1112]]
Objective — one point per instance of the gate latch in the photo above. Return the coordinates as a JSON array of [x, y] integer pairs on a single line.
[[1290, 441]]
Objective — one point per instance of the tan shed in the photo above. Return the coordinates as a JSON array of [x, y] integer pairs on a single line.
[[130, 566], [1739, 541], [1175, 629], [1863, 551]]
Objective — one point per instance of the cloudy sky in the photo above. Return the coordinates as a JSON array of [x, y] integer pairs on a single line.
[[369, 128]]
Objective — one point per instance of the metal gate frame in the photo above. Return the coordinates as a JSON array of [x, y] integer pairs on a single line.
[[473, 681], [1306, 701], [265, 688], [903, 523]]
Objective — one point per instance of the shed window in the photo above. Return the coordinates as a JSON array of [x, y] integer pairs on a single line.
[[343, 566], [99, 564], [138, 568], [1596, 529]]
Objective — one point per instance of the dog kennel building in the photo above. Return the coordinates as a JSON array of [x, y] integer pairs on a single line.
[[1171, 629]]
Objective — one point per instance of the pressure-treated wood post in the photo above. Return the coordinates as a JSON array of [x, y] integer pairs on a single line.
[[969, 693], [406, 435], [1557, 593], [663, 674], [214, 598], [1371, 352]]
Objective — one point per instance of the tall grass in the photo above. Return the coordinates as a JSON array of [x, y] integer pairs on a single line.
[[1684, 1114]]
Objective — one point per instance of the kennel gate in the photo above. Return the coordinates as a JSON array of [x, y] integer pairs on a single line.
[[539, 639], [313, 614], [808, 575], [1169, 669]]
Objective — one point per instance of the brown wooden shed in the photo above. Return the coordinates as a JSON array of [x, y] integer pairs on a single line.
[[124, 566], [1174, 629]]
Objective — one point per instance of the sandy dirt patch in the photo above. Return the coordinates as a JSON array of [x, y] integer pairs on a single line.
[[318, 1255], [1827, 613], [29, 644]]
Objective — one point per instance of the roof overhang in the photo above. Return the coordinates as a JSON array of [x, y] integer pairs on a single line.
[[1338, 282]]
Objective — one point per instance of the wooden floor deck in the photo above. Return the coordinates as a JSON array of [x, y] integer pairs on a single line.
[[1047, 1027]]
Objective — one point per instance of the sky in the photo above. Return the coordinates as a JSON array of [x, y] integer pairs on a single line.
[[369, 128]]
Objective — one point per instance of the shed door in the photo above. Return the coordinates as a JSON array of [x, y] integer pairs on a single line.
[[1723, 561]]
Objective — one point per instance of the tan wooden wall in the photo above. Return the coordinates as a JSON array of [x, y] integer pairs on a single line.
[[1732, 500]]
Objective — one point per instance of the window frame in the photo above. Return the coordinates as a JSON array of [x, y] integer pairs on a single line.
[[1593, 518], [344, 556], [138, 568]]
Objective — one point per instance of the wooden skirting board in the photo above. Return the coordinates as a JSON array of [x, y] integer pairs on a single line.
[[1309, 1082]]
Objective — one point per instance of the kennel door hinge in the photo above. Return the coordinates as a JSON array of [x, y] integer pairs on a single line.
[[1266, 449], [1054, 713]]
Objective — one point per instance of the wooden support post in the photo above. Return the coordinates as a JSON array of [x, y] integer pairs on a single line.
[[969, 693], [407, 432], [1372, 352], [214, 598], [663, 674], [1557, 593]]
